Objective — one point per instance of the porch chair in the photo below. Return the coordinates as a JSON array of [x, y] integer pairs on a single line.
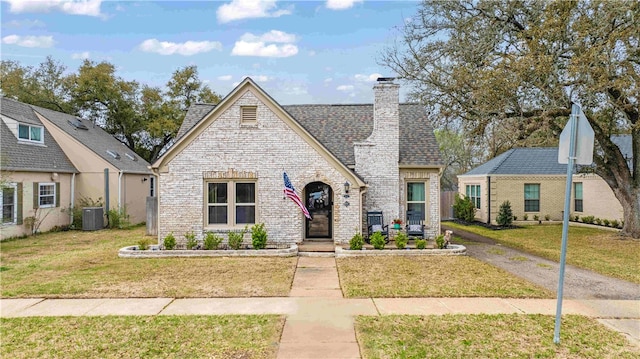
[[415, 224], [375, 223]]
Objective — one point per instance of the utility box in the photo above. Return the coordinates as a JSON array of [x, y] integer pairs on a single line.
[[92, 218]]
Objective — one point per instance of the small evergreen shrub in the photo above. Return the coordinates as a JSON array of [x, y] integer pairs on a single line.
[[606, 222], [597, 221], [356, 242], [258, 236], [401, 240], [118, 219], [576, 218], [440, 241], [464, 209], [615, 223], [515, 218], [505, 214], [536, 217], [212, 241], [547, 217], [421, 243], [377, 240], [169, 242], [525, 217], [236, 238], [588, 219], [143, 244], [191, 240]]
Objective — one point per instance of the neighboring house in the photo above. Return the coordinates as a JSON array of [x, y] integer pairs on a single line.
[[89, 154], [533, 181], [225, 170]]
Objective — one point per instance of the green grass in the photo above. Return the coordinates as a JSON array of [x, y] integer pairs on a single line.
[[602, 251], [232, 336], [487, 336], [431, 276], [79, 264]]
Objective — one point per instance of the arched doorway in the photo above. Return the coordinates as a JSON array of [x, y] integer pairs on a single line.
[[319, 201]]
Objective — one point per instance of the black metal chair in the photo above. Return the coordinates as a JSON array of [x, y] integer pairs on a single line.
[[415, 224], [375, 223]]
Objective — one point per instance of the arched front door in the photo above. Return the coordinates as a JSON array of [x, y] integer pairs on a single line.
[[319, 201]]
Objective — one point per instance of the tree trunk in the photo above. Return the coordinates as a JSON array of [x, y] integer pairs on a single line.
[[630, 201]]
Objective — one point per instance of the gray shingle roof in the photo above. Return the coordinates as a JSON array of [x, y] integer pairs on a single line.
[[338, 127], [98, 141], [522, 161], [21, 156]]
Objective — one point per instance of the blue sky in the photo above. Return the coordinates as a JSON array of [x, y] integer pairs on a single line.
[[299, 52]]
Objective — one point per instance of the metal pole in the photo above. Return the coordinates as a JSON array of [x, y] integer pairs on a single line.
[[565, 221]]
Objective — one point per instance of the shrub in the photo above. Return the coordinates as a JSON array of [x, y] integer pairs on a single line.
[[258, 236], [169, 242], [525, 217], [515, 218], [615, 223], [588, 219], [547, 217], [576, 218], [505, 214], [606, 222], [377, 240], [236, 238], [211, 241], [421, 243], [464, 209], [118, 218], [143, 244], [536, 217], [401, 240], [356, 242], [440, 241], [597, 221], [191, 240]]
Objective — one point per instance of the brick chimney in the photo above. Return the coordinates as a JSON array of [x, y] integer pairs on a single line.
[[378, 156]]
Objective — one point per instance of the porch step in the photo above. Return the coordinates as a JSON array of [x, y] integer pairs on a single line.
[[316, 247]]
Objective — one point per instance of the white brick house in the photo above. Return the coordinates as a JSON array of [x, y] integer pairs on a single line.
[[226, 168]]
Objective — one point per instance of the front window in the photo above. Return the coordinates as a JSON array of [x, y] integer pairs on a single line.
[[577, 189], [230, 203], [532, 197], [473, 192], [30, 133], [9, 204], [416, 199], [46, 195]]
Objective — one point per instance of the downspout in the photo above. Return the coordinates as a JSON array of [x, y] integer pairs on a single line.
[[363, 191], [488, 199], [120, 191], [72, 197]]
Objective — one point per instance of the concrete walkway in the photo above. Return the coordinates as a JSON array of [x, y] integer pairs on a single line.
[[320, 323]]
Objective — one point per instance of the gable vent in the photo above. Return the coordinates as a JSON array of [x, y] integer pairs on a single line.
[[114, 154], [249, 114]]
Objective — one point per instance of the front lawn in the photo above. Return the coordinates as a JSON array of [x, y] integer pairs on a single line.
[[230, 336], [602, 251], [78, 264], [488, 336], [431, 276]]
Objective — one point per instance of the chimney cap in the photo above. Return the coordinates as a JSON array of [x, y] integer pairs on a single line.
[[385, 79]]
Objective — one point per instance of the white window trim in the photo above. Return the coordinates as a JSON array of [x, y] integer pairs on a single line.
[[42, 184], [477, 200], [29, 140], [230, 204], [426, 199], [14, 220]]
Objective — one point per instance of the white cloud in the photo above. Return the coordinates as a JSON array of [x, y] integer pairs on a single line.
[[28, 41], [80, 55], [341, 4], [24, 23], [72, 7], [328, 80], [345, 88], [258, 78], [247, 9], [265, 45], [225, 78], [187, 48], [367, 78]]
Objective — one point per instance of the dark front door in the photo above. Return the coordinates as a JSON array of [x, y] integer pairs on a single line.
[[319, 201]]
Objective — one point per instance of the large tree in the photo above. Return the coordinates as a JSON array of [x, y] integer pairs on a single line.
[[513, 69]]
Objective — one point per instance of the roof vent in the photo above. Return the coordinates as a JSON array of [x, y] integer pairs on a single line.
[[131, 157], [114, 154], [77, 123]]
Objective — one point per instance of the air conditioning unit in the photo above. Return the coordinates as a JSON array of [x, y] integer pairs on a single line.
[[92, 218]]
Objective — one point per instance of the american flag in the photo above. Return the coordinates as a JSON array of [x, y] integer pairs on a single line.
[[290, 192]]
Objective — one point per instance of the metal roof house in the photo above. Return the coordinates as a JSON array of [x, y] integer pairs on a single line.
[[226, 167], [51, 160]]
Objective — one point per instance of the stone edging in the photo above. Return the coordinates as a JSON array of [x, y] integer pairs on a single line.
[[454, 250], [133, 252]]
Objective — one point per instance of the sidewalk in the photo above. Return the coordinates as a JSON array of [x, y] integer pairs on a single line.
[[319, 321]]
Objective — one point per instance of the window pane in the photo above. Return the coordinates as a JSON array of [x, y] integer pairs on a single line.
[[415, 192], [8, 197], [217, 193], [578, 190], [245, 214], [531, 191], [23, 132], [46, 190], [217, 214], [416, 207], [245, 193], [36, 134]]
